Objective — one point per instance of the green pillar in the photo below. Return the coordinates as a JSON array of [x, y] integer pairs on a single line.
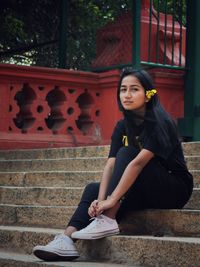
[[64, 8], [136, 6], [190, 125]]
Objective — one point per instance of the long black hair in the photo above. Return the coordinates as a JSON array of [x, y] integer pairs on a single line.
[[156, 120]]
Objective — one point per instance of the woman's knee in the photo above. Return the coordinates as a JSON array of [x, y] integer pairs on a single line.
[[91, 191]]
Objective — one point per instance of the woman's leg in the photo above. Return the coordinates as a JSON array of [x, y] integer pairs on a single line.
[[105, 224], [80, 218], [124, 156], [155, 188], [62, 247]]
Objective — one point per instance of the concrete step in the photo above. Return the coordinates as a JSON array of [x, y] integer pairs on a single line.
[[54, 196], [193, 162], [12, 259], [148, 222], [196, 176], [70, 164], [59, 196], [138, 250], [50, 178], [39, 216], [60, 178], [67, 164], [190, 148], [194, 202], [54, 153]]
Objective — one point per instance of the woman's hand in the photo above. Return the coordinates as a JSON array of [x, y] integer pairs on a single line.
[[103, 205], [93, 208]]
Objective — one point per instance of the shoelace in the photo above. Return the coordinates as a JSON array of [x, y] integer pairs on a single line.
[[96, 221]]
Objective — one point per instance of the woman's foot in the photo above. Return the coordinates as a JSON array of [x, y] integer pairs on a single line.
[[62, 248], [100, 227]]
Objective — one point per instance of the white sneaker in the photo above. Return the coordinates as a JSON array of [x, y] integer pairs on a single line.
[[102, 226], [62, 248]]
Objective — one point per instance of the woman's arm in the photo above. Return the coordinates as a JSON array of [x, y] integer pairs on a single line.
[[128, 178], [107, 173]]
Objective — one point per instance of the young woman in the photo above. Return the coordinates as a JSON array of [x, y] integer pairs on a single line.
[[145, 169]]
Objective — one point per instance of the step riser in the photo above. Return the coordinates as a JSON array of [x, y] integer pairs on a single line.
[[191, 148], [118, 249], [21, 260], [102, 151], [193, 165], [59, 178], [41, 196], [194, 202], [196, 176], [49, 179], [162, 223], [50, 217], [81, 164], [60, 196], [52, 165], [155, 223]]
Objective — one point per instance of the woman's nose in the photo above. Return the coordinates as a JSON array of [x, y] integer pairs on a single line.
[[128, 94]]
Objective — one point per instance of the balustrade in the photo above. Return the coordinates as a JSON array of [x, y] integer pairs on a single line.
[[64, 109], [42, 107]]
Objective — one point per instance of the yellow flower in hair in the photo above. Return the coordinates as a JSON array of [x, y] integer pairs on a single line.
[[150, 93]]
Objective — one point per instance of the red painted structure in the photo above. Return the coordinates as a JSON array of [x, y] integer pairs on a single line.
[[114, 40], [42, 107]]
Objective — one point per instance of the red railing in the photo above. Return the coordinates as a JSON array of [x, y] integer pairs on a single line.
[[50, 107], [42, 107]]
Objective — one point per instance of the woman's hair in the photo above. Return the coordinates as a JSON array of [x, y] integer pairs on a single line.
[[156, 118]]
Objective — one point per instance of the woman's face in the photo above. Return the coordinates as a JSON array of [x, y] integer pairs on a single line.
[[132, 94]]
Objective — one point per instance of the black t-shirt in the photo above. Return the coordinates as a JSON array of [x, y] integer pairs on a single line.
[[170, 155]]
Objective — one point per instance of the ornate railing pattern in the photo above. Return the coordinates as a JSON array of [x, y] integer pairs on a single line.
[[52, 109], [41, 107], [53, 104]]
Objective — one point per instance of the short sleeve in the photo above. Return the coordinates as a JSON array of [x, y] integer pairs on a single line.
[[161, 147], [116, 139]]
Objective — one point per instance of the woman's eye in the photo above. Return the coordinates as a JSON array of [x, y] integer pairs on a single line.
[[123, 90]]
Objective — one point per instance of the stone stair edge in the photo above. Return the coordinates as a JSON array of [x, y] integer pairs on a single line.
[[48, 152], [56, 148], [55, 231], [183, 210], [122, 249], [68, 164], [183, 222], [61, 196], [43, 152], [53, 159], [17, 259], [81, 147]]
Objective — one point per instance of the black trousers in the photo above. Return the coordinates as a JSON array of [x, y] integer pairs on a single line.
[[154, 188]]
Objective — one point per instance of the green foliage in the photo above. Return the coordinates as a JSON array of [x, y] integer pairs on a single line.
[[29, 30], [27, 24], [174, 7]]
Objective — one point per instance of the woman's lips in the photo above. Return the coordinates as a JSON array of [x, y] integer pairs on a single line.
[[127, 102]]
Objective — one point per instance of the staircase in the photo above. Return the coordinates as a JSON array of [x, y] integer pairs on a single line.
[[39, 190]]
